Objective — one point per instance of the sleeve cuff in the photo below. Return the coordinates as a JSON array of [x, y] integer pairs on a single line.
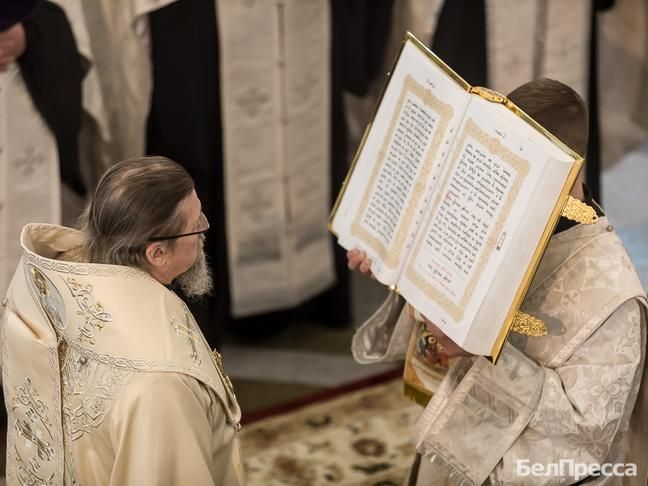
[[385, 335], [471, 425]]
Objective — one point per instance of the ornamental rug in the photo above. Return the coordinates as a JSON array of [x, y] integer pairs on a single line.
[[360, 438]]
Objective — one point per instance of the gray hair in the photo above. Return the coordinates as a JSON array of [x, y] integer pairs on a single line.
[[135, 201]]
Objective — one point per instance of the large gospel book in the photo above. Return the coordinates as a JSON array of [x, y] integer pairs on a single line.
[[454, 193]]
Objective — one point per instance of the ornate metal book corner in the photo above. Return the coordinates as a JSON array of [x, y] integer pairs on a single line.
[[579, 211], [489, 94], [528, 325]]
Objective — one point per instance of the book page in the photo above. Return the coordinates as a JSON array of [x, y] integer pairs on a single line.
[[400, 162], [405, 161], [479, 202], [523, 243]]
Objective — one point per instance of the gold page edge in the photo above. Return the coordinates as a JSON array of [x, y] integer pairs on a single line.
[[537, 257]]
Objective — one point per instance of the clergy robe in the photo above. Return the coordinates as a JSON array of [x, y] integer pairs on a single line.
[[107, 377], [51, 110], [186, 125], [578, 393], [37, 134]]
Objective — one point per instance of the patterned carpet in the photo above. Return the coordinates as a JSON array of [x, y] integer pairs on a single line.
[[361, 438]]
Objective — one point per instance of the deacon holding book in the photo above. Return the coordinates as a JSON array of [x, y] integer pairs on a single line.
[[566, 400], [107, 377]]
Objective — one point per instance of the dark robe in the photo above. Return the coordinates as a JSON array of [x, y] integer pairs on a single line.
[[185, 125], [460, 39], [593, 167], [360, 29], [52, 69]]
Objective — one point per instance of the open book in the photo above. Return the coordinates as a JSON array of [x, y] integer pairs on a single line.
[[454, 193]]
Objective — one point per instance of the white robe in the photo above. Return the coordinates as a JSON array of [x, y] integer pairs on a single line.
[[107, 378], [567, 396], [30, 185]]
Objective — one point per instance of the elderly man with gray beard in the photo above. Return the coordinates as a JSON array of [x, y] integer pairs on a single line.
[[107, 377]]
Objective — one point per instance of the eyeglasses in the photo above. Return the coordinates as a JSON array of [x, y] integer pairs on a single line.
[[204, 223]]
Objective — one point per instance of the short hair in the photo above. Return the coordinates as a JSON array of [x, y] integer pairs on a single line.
[[556, 107], [135, 201]]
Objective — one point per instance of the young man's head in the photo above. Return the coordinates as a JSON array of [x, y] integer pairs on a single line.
[[145, 213], [560, 110], [556, 107]]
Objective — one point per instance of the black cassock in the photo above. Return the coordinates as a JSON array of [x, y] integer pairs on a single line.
[[185, 125], [52, 69]]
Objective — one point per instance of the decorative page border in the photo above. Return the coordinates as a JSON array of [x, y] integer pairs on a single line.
[[391, 256], [522, 167]]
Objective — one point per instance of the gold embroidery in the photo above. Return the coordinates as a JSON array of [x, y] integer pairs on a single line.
[[188, 333], [488, 94], [28, 474], [219, 364], [89, 390], [44, 450], [230, 403], [35, 411], [95, 317], [206, 376], [528, 325], [579, 211], [68, 453], [49, 298], [27, 396], [84, 269], [32, 424]]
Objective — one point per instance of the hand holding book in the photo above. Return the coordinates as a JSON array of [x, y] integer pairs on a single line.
[[445, 347], [358, 260]]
